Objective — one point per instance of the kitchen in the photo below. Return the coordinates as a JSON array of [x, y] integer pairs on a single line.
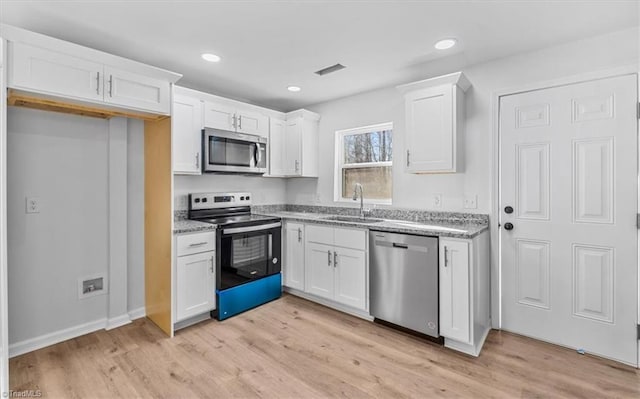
[[103, 191]]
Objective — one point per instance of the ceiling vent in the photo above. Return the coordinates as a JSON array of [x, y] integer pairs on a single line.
[[331, 69]]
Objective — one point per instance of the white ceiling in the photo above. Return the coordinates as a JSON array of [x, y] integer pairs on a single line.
[[268, 45]]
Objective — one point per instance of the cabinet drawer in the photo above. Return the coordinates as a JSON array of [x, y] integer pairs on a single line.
[[320, 234], [195, 243], [350, 238]]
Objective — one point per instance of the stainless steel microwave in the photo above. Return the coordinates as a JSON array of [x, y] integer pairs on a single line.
[[230, 152]]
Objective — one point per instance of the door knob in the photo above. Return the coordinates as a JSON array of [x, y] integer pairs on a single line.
[[508, 209], [508, 226]]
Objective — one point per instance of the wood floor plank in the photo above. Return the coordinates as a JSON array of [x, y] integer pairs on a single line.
[[293, 348]]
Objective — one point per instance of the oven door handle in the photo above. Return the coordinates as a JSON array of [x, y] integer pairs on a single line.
[[251, 228]]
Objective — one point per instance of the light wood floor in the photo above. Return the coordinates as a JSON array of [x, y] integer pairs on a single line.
[[292, 348]]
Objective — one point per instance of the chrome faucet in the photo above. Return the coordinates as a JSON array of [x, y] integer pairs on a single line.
[[355, 197]]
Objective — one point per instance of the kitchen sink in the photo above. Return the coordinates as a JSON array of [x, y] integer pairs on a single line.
[[352, 219]]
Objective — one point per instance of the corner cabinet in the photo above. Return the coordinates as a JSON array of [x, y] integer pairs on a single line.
[[294, 145], [293, 262], [186, 134], [464, 292], [434, 110]]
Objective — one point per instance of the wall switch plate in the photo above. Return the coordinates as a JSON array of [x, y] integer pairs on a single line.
[[471, 201], [32, 205], [437, 201]]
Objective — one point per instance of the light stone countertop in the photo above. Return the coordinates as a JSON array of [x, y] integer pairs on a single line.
[[435, 228], [182, 226]]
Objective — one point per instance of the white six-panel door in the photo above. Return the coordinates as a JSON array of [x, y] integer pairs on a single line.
[[569, 170]]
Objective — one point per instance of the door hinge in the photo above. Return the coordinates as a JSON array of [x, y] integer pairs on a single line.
[[638, 335], [638, 109]]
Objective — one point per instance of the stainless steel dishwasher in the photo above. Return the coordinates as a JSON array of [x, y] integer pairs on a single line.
[[404, 280]]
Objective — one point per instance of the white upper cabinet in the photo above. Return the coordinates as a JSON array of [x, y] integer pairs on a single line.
[[55, 73], [434, 111], [132, 90], [186, 134], [219, 116], [225, 117], [276, 145], [294, 145], [51, 67]]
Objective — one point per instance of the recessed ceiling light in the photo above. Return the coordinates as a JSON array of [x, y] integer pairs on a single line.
[[210, 57], [445, 44], [294, 89]]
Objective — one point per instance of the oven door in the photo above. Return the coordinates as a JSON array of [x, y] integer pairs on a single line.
[[248, 253], [229, 152]]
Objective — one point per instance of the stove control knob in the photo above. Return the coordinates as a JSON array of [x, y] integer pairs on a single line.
[[248, 198], [275, 260], [196, 200], [204, 200]]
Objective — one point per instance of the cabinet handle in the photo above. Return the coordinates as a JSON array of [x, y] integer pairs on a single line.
[[329, 258], [197, 244], [446, 257], [239, 122], [408, 155], [234, 121], [212, 271], [98, 83], [299, 234], [297, 165], [110, 85], [335, 259], [197, 160]]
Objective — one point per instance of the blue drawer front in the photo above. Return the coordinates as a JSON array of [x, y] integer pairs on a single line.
[[246, 296]]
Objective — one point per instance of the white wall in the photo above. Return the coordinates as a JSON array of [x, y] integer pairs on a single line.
[[62, 160], [265, 190], [386, 105], [135, 214]]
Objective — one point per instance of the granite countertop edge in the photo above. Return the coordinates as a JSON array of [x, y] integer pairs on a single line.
[[471, 230]]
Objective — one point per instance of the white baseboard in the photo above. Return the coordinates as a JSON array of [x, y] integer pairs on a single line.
[[139, 313], [118, 321], [45, 340]]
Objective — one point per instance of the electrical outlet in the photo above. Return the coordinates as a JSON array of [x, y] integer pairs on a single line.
[[32, 205], [437, 201], [471, 202]]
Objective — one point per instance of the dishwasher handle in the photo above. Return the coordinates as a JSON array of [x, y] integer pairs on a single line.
[[400, 245]]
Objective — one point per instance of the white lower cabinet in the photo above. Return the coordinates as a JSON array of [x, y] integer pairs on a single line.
[[196, 285], [293, 262], [335, 268], [464, 292], [195, 275]]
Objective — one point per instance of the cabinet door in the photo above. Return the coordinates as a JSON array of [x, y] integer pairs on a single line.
[[350, 277], [252, 123], [276, 147], [292, 157], [293, 266], [430, 134], [455, 307], [219, 116], [186, 133], [46, 71], [195, 283], [131, 90], [319, 270]]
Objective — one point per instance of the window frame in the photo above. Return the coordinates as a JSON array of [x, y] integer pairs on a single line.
[[340, 165]]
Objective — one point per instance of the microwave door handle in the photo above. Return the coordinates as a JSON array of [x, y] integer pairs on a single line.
[[258, 154]]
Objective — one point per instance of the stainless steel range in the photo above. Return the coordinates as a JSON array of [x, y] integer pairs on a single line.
[[248, 248]]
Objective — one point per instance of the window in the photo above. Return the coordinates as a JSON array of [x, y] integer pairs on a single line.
[[364, 155]]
